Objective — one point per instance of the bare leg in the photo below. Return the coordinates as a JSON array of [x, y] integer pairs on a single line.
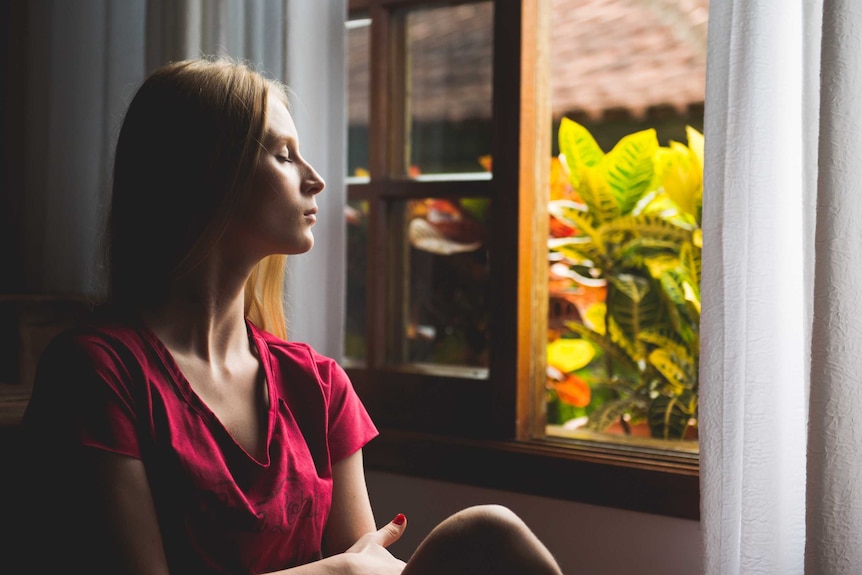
[[482, 539]]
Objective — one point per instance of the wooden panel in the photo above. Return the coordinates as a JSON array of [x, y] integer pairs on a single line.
[[535, 154], [442, 405], [597, 477]]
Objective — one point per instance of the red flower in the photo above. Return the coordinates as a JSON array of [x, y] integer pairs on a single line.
[[574, 391]]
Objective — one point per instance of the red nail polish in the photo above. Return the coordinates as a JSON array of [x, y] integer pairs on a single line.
[[399, 519]]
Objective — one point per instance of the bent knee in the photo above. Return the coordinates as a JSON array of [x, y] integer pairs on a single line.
[[482, 539], [490, 512], [488, 520]]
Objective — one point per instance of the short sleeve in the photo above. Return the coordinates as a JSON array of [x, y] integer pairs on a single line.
[[350, 426], [81, 395]]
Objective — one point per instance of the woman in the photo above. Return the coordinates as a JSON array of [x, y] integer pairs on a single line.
[[189, 436]]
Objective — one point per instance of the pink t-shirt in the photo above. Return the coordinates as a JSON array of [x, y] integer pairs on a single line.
[[220, 509]]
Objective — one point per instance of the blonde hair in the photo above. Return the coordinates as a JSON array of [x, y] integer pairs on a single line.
[[264, 293], [188, 147]]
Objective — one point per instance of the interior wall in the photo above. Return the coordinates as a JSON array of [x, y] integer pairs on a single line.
[[583, 538]]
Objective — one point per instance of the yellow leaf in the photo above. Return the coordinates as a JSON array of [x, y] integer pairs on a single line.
[[695, 143], [681, 176], [595, 317], [691, 296], [697, 238], [569, 355]]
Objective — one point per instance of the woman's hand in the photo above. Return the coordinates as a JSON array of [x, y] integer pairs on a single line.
[[369, 556]]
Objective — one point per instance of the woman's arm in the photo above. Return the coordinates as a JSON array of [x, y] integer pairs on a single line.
[[351, 516], [124, 502]]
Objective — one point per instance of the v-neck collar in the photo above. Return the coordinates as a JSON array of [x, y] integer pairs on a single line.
[[186, 391]]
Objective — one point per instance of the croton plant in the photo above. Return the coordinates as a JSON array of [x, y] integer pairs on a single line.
[[625, 260]]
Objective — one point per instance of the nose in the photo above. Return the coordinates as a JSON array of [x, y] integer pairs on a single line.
[[314, 183]]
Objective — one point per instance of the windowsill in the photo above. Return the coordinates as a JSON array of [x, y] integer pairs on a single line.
[[557, 468], [433, 369], [637, 445]]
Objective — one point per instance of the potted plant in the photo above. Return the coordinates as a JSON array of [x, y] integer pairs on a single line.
[[628, 222]]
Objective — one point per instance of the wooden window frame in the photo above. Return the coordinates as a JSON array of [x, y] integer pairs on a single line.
[[490, 433]]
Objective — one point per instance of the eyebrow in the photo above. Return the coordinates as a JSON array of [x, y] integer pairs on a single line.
[[273, 139]]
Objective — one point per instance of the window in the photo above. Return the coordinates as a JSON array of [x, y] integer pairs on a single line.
[[449, 154]]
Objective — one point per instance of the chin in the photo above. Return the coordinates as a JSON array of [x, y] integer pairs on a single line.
[[301, 248]]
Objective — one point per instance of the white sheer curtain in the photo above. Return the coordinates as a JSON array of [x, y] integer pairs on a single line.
[[834, 543], [84, 61], [781, 371], [316, 281]]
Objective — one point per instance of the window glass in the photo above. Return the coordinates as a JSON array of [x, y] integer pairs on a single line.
[[627, 85], [449, 91], [356, 215], [358, 45], [443, 263], [358, 100]]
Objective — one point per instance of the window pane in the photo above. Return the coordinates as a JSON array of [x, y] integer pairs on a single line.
[[443, 319], [627, 88], [449, 90], [358, 97], [356, 214]]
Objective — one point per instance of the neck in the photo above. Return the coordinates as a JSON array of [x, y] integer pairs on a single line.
[[201, 324]]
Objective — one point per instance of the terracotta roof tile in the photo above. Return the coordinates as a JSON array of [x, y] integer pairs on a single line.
[[628, 55]]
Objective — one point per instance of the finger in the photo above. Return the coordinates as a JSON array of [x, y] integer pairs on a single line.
[[392, 531]]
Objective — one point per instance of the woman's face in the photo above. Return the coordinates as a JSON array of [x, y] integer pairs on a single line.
[[278, 212]]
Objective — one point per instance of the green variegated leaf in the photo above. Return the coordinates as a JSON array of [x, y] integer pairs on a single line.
[[616, 352], [649, 226], [653, 255], [630, 346], [687, 331], [562, 209], [692, 300], [579, 149], [624, 387], [659, 263], [669, 416], [667, 339], [648, 202], [684, 302], [675, 371], [631, 286], [685, 352], [691, 258], [597, 194], [656, 203], [635, 306], [610, 412], [585, 226], [673, 287], [576, 251], [628, 167]]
